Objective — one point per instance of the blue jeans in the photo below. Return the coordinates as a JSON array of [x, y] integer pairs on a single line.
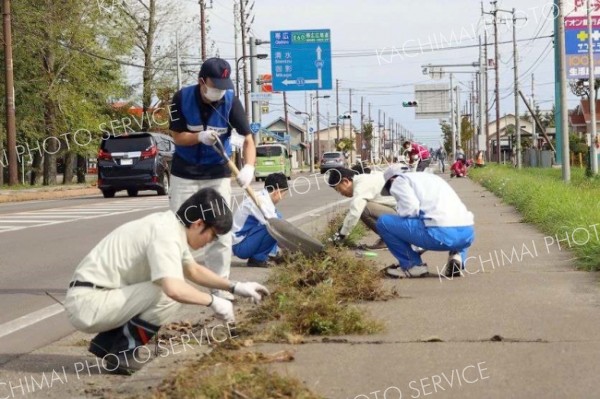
[[258, 244], [399, 233]]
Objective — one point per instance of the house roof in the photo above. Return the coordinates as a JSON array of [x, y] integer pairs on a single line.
[[282, 120], [581, 114]]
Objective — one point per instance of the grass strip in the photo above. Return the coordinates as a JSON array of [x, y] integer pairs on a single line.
[[557, 208]]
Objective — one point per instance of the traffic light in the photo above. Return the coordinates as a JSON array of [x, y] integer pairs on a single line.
[[409, 104]]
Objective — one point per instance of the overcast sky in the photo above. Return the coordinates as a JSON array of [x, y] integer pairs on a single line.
[[360, 30]]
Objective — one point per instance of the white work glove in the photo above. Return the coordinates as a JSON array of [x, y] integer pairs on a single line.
[[250, 290], [223, 309], [208, 137], [244, 178], [337, 239]]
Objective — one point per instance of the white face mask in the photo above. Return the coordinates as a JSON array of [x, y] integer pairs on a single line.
[[212, 94]]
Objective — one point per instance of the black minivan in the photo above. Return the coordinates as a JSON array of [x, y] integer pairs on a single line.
[[134, 162]]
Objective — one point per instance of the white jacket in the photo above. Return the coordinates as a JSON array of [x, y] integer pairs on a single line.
[[429, 197], [365, 188], [248, 215]]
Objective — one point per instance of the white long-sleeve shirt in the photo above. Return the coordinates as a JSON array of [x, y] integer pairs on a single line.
[[429, 197], [365, 188], [248, 215]]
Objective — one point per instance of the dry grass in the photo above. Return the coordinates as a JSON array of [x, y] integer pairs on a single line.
[[313, 297], [226, 374]]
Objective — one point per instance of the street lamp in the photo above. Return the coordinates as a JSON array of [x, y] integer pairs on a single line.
[[237, 69], [312, 140]]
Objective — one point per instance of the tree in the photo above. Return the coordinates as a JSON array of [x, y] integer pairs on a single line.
[[149, 22], [466, 132], [64, 75], [368, 137], [447, 132]]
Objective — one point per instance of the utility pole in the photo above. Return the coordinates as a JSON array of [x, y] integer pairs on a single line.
[[235, 45], [178, 60], [350, 120], [244, 54], [253, 77], [202, 29], [11, 130], [497, 80], [592, 84], [516, 70], [497, 77], [486, 90], [452, 121], [379, 133], [458, 118], [481, 96], [318, 127], [337, 108], [362, 130], [532, 103], [287, 123], [562, 108]]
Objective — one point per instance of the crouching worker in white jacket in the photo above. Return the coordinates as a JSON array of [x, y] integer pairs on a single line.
[[429, 215], [135, 279]]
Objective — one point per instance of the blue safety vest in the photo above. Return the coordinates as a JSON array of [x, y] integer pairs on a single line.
[[201, 154]]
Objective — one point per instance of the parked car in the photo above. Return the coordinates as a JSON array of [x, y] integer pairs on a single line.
[[272, 158], [331, 160], [134, 162]]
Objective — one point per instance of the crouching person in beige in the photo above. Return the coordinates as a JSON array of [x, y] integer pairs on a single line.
[[134, 280]]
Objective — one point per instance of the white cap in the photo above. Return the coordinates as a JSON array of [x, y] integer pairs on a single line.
[[394, 170]]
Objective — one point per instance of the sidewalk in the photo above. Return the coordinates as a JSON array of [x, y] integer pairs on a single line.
[[519, 326], [521, 329]]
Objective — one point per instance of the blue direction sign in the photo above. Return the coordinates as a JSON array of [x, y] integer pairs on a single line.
[[255, 127], [301, 60]]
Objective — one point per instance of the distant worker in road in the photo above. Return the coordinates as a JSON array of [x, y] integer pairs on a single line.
[[134, 280], [200, 113], [418, 155], [429, 215], [441, 156], [367, 202], [251, 239]]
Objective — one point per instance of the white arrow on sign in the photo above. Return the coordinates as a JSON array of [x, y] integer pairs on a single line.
[[318, 81], [319, 67], [301, 82]]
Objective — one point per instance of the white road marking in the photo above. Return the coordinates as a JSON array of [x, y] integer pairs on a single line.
[[44, 217], [30, 319]]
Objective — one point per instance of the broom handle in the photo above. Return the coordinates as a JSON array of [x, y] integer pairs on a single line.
[[235, 171]]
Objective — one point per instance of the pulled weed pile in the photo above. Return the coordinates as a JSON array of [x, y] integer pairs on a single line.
[[314, 296], [228, 374]]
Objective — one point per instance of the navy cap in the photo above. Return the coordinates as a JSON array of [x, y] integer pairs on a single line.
[[219, 72]]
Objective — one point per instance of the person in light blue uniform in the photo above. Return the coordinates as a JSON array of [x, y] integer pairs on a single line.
[[251, 239], [429, 215]]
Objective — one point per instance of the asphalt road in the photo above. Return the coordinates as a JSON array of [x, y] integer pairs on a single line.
[[41, 242]]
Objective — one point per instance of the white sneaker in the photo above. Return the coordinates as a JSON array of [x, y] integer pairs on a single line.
[[417, 271], [223, 294]]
